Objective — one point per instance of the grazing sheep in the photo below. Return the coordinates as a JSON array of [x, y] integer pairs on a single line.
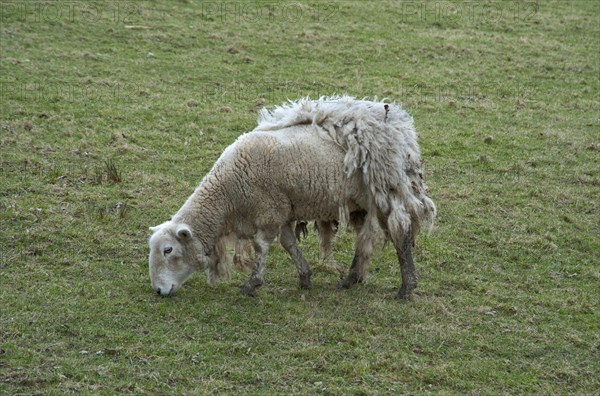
[[332, 159]]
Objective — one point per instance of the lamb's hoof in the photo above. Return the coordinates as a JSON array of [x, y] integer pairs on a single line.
[[333, 268], [248, 290], [337, 270]]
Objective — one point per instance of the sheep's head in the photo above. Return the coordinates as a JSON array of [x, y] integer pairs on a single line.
[[174, 257]]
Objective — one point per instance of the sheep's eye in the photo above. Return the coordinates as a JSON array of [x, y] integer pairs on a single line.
[[168, 250]]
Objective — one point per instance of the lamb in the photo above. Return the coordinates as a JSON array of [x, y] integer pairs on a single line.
[[244, 252], [326, 230], [332, 159]]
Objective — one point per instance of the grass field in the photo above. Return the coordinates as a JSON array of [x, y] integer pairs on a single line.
[[111, 113]]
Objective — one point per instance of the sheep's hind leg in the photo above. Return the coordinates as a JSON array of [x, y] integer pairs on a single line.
[[262, 242], [363, 253], [352, 278], [288, 241], [407, 267]]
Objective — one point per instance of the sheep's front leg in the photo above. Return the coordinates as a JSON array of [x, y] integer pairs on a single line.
[[407, 267], [288, 241], [262, 242]]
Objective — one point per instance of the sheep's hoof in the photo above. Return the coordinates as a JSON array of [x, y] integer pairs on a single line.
[[305, 282], [405, 293], [351, 280], [306, 285]]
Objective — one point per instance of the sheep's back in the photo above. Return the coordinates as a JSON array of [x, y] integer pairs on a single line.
[[294, 166]]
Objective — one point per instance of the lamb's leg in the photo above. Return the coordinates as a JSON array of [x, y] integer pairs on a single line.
[[407, 267], [326, 235], [363, 253], [243, 258], [262, 241], [288, 241], [327, 232]]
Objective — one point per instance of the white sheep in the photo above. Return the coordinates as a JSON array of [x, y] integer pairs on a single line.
[[332, 159]]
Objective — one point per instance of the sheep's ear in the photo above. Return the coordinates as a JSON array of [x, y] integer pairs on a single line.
[[154, 229], [184, 232]]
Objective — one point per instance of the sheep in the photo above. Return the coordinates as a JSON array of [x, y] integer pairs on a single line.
[[332, 159]]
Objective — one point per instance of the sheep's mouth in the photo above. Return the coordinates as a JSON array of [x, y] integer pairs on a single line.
[[160, 292]]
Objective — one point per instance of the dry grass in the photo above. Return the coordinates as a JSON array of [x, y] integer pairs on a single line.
[[106, 129]]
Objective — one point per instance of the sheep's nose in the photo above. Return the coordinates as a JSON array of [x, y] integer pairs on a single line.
[[158, 290]]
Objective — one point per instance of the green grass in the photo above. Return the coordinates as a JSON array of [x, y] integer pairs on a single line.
[[505, 96]]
